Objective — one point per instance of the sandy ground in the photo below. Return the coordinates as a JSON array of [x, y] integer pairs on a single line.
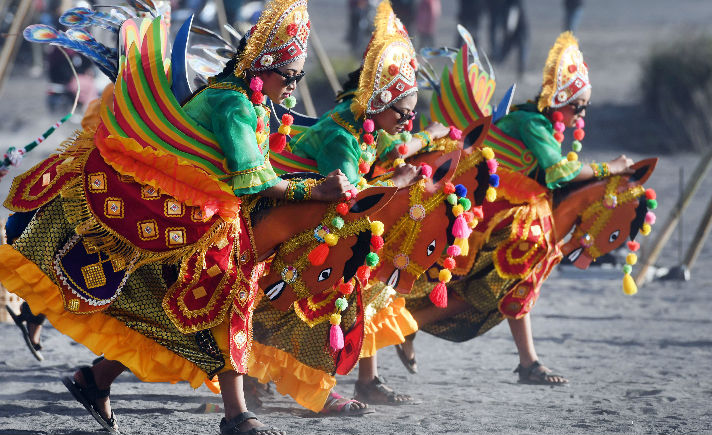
[[636, 364]]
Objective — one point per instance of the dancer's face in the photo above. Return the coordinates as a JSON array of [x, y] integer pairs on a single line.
[[279, 84], [576, 109], [395, 119]]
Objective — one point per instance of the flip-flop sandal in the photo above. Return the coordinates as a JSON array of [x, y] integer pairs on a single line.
[[343, 410], [34, 348], [410, 364], [87, 396], [533, 375], [232, 426]]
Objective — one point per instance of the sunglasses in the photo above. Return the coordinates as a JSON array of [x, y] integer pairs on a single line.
[[578, 108], [404, 117], [289, 79]]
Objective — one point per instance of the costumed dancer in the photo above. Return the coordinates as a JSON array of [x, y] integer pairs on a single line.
[[80, 261], [531, 136], [369, 126]]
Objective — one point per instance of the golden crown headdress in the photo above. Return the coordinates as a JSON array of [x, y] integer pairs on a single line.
[[565, 73], [279, 37], [389, 66]]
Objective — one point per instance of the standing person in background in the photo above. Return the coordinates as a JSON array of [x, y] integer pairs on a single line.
[[509, 28], [405, 10], [572, 14], [428, 13], [469, 15]]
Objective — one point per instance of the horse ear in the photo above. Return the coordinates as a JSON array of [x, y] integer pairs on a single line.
[[643, 170], [475, 134], [369, 201], [443, 169]]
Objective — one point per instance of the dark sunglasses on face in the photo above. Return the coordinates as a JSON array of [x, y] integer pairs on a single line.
[[578, 108], [289, 79], [404, 117]]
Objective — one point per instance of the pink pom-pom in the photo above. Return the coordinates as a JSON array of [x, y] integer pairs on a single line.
[[492, 166], [426, 170], [453, 250], [580, 123], [455, 133], [460, 229], [438, 296], [336, 337], [354, 193], [368, 126], [650, 218], [256, 84], [559, 126]]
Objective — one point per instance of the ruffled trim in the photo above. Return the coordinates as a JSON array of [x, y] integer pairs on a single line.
[[169, 173], [562, 172], [387, 327], [100, 333], [309, 387]]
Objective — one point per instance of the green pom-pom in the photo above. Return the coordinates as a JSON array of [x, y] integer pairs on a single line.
[[260, 111], [652, 204], [367, 156], [576, 146], [406, 137], [627, 268], [465, 203], [341, 304], [452, 199], [372, 259], [337, 222], [289, 102]]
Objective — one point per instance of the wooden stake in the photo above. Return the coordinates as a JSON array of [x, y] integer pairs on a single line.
[[9, 49], [324, 61], [306, 97], [664, 234]]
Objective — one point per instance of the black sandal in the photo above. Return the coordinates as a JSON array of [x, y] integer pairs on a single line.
[[232, 426], [410, 364], [20, 320], [536, 374], [88, 395], [376, 392]]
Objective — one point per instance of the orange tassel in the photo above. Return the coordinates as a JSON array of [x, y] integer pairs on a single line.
[[318, 255]]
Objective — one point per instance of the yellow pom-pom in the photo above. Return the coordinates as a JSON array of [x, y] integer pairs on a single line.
[[335, 319], [362, 183], [491, 194], [464, 246], [445, 275], [473, 223], [377, 228], [629, 286], [572, 156], [398, 162], [457, 210], [487, 153], [284, 129], [331, 239], [631, 259], [645, 229]]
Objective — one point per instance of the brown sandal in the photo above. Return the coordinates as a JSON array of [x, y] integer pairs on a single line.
[[376, 392], [537, 374], [410, 364]]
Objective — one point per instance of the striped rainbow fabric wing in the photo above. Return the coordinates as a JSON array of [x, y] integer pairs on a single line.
[[463, 101], [146, 110]]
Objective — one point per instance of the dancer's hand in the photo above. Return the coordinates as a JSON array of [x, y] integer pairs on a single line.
[[621, 165], [334, 187], [437, 130], [3, 172], [406, 174]]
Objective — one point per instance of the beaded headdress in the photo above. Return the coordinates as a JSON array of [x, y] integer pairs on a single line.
[[279, 37], [389, 66], [565, 73]]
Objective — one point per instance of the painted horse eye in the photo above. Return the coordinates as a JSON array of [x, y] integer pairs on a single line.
[[324, 275], [614, 236], [431, 248]]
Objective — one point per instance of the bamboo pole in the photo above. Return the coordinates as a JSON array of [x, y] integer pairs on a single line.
[[222, 19], [703, 230], [663, 236], [306, 97], [324, 61], [9, 49]]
